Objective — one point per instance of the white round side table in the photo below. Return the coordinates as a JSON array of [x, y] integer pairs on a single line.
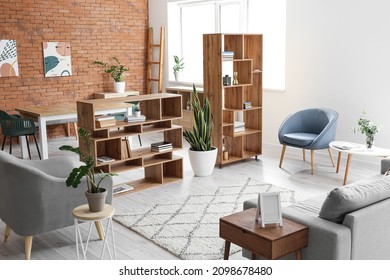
[[82, 213]]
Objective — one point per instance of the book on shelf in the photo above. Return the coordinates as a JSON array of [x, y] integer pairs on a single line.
[[161, 146], [105, 159], [247, 105], [104, 118], [227, 55], [238, 124], [106, 123], [239, 129], [121, 188], [131, 118]]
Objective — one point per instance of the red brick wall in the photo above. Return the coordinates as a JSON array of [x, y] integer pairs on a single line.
[[96, 30]]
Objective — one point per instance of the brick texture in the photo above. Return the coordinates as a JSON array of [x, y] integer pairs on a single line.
[[96, 30]]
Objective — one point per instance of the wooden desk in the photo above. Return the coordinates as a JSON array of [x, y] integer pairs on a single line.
[[61, 113], [271, 242]]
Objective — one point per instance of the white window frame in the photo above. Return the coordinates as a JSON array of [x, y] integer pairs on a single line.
[[243, 29]]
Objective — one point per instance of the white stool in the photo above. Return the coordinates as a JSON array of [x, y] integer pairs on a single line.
[[82, 213]]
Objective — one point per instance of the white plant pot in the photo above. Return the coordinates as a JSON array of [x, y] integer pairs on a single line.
[[202, 162], [119, 87], [177, 76], [137, 114]]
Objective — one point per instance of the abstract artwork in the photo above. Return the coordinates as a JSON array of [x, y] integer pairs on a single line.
[[57, 59], [8, 58]]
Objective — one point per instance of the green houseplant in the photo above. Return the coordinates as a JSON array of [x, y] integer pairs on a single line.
[[116, 71], [202, 154], [86, 170], [179, 65], [369, 129]]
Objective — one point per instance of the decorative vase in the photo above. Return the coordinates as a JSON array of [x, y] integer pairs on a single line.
[[202, 162], [96, 201], [369, 141], [137, 114], [119, 87]]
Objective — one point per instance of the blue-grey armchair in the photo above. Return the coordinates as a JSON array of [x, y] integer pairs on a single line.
[[34, 198], [309, 129]]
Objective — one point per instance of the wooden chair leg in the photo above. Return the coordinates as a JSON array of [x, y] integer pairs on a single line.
[[7, 233], [304, 154], [99, 229], [76, 130], [331, 156], [312, 161], [67, 129], [282, 156], [27, 247]]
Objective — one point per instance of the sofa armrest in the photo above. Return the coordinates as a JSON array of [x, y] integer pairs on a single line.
[[327, 240]]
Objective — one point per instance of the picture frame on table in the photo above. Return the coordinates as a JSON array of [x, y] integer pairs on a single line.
[[269, 208]]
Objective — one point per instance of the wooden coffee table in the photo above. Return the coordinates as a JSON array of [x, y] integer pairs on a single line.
[[271, 242]]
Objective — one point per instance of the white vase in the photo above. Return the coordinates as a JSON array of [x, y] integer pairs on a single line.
[[202, 162], [119, 87], [137, 114]]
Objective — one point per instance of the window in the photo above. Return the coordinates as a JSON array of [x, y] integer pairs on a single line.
[[189, 20]]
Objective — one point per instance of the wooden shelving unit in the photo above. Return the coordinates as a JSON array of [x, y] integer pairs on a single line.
[[227, 101], [160, 111], [186, 93]]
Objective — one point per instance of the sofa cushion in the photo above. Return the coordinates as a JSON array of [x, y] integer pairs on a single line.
[[344, 200]]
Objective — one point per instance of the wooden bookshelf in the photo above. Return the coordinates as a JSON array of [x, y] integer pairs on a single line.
[[186, 93], [160, 111], [227, 102]]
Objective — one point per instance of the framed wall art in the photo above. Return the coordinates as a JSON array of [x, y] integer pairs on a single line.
[[8, 58], [57, 59]]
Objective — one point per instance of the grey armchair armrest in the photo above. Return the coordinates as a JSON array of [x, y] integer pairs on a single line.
[[35, 198]]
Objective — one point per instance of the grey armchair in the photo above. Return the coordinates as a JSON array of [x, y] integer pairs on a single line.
[[34, 198], [309, 129]]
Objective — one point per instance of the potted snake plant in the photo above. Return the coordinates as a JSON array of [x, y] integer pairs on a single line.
[[201, 153], [96, 196]]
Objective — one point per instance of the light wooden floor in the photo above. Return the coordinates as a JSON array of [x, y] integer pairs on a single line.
[[60, 244]]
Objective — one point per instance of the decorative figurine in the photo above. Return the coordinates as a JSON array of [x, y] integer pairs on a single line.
[[227, 80], [235, 80]]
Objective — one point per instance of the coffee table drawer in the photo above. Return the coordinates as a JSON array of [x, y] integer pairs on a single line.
[[245, 239]]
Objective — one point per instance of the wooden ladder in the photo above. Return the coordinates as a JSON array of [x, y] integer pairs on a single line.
[[159, 63]]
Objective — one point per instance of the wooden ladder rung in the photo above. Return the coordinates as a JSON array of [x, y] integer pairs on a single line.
[[154, 80], [155, 46], [154, 62]]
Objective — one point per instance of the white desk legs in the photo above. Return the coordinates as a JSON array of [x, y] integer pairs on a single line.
[[23, 146], [43, 138], [84, 249]]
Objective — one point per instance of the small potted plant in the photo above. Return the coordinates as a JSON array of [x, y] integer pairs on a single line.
[[137, 111], [367, 128], [116, 71], [202, 155], [179, 65], [96, 196]]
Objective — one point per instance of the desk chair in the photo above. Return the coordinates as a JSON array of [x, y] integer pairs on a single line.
[[14, 126]]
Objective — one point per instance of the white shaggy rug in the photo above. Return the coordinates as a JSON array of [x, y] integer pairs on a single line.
[[189, 229]]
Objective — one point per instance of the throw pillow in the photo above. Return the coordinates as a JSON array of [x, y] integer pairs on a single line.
[[344, 200]]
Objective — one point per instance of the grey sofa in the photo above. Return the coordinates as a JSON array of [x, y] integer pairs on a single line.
[[354, 222], [34, 198]]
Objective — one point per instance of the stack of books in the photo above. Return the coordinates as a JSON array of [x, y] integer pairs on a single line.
[[247, 105], [161, 146], [105, 159], [132, 118], [239, 126], [227, 55], [104, 121]]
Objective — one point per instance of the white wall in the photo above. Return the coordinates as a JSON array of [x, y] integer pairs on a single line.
[[338, 56]]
